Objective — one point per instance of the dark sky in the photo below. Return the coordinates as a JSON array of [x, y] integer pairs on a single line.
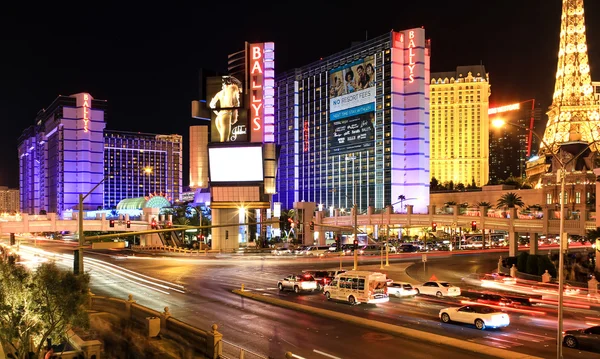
[[144, 58]]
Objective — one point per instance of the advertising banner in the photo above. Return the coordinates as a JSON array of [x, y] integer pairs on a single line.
[[229, 120], [352, 134], [352, 106]]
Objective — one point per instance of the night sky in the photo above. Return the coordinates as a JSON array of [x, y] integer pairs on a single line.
[[144, 59]]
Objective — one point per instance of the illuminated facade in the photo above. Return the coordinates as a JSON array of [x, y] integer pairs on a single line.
[[353, 128], [61, 155], [460, 125], [198, 157], [68, 152], [141, 165], [9, 200], [574, 114], [511, 146]]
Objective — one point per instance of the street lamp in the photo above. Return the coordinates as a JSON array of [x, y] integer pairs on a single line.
[[355, 221], [80, 227], [563, 238]]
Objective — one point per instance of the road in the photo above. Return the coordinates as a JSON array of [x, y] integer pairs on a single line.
[[266, 329]]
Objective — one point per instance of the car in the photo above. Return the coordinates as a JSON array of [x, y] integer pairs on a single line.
[[438, 288], [482, 316], [298, 283], [501, 277], [321, 276], [401, 289], [582, 338]]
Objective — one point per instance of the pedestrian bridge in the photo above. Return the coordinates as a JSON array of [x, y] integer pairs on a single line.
[[27, 223], [511, 222]]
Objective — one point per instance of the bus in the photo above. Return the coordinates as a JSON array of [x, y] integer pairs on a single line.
[[357, 287]]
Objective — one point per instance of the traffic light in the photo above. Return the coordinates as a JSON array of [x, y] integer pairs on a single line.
[[153, 225], [169, 224], [112, 223], [128, 224], [226, 234], [474, 225], [312, 225], [434, 227], [355, 244]]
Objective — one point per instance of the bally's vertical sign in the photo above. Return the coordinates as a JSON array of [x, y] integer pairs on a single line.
[[256, 92], [84, 110]]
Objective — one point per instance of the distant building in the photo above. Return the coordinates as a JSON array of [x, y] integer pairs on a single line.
[[513, 144], [596, 86], [67, 152], [141, 165], [459, 125], [9, 200]]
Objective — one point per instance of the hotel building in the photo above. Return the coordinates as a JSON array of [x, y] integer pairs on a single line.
[[514, 143], [353, 127], [141, 165], [67, 152], [460, 126], [9, 200]]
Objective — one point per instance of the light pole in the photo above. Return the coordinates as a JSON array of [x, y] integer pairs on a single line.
[[563, 238], [80, 228], [355, 236]]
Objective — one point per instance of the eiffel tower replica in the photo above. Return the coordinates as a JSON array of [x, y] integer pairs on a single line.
[[572, 136]]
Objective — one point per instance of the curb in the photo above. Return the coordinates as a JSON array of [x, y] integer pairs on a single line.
[[395, 329]]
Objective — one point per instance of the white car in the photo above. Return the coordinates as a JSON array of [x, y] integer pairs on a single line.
[[482, 316], [401, 289], [298, 283], [439, 289]]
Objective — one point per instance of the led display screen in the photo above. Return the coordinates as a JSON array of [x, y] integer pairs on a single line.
[[235, 164], [229, 120]]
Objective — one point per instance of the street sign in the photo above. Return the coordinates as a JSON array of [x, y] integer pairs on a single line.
[[424, 258]]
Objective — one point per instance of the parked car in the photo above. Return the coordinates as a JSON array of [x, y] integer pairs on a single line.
[[583, 338], [482, 316], [401, 289], [439, 289], [298, 283]]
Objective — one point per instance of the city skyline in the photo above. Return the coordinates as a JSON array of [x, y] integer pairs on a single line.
[[143, 62]]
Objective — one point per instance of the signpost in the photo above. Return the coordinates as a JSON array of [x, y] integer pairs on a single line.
[[424, 260]]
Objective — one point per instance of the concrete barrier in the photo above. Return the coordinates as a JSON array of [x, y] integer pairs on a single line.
[[390, 328]]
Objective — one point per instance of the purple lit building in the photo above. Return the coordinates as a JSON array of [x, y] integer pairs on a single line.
[[68, 151]]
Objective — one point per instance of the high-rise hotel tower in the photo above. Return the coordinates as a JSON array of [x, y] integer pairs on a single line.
[[460, 126], [67, 152], [353, 127]]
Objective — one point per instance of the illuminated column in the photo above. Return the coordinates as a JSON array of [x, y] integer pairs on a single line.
[[410, 117]]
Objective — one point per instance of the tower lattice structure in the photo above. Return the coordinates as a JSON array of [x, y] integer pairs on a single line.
[[574, 114]]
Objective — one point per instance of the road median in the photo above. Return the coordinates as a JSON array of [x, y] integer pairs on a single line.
[[390, 328]]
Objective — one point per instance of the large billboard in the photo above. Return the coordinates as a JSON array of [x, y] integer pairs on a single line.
[[229, 118], [235, 164], [352, 106]]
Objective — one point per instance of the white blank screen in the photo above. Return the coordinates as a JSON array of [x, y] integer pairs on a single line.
[[231, 164]]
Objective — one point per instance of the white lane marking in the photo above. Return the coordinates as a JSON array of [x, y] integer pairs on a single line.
[[502, 340], [297, 356], [325, 354]]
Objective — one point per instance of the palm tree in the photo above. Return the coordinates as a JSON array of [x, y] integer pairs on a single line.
[[484, 204], [401, 198], [510, 200]]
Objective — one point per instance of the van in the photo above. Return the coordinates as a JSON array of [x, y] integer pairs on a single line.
[[357, 287]]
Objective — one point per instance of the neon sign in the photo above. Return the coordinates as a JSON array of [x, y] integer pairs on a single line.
[[86, 111], [512, 107], [256, 92], [411, 56]]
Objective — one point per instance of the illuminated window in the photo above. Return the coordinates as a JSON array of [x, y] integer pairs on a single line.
[[577, 197], [548, 198]]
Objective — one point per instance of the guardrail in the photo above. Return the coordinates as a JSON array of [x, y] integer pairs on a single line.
[[206, 342], [210, 343]]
